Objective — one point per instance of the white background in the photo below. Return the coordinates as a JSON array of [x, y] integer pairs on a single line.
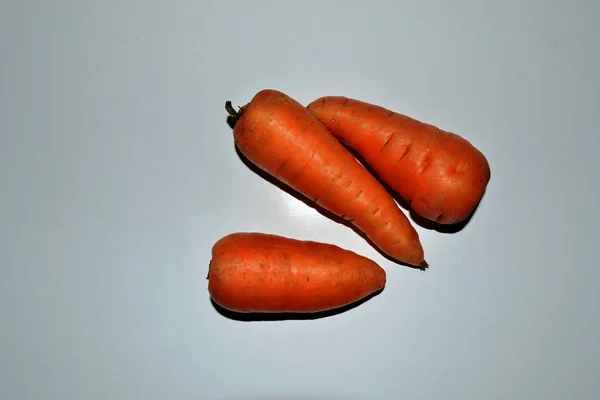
[[118, 173]]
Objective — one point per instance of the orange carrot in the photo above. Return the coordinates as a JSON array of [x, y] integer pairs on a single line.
[[441, 174], [284, 139], [257, 272]]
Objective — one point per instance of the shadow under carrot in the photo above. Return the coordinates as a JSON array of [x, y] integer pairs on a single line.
[[262, 317]]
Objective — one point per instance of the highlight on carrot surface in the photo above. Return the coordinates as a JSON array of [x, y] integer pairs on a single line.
[[281, 137], [262, 273], [440, 174]]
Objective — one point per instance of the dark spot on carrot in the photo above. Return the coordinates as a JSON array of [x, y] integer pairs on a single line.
[[308, 279], [280, 168], [345, 102], [349, 183], [253, 125], [358, 195], [388, 140], [370, 109], [390, 114], [404, 153], [354, 110], [338, 177], [376, 211], [316, 199], [305, 165]]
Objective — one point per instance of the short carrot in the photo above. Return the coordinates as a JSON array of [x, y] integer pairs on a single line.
[[258, 272], [284, 139], [440, 174]]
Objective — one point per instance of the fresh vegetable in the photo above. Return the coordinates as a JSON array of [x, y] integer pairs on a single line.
[[257, 272], [440, 174], [284, 139]]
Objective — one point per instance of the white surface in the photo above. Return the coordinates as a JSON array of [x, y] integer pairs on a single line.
[[118, 173]]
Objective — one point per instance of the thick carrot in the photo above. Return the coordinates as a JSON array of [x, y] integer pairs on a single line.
[[284, 139], [258, 272], [440, 174]]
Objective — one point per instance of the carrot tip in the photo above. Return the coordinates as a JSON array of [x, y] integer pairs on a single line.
[[424, 265]]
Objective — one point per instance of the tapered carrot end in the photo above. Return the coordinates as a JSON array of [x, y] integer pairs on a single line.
[[423, 266]]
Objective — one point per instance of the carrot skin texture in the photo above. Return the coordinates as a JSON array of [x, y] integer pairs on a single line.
[[441, 174], [284, 139], [262, 273]]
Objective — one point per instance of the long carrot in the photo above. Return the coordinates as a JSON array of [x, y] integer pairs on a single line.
[[441, 174], [284, 139], [257, 272]]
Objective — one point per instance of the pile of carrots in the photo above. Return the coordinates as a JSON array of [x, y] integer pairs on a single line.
[[439, 174]]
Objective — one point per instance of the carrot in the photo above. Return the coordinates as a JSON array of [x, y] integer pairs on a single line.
[[257, 272], [284, 139], [440, 174]]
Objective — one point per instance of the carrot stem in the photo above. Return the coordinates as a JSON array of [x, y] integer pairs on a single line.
[[233, 114]]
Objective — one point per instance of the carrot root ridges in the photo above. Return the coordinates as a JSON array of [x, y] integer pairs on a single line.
[[284, 139], [440, 174], [263, 273]]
